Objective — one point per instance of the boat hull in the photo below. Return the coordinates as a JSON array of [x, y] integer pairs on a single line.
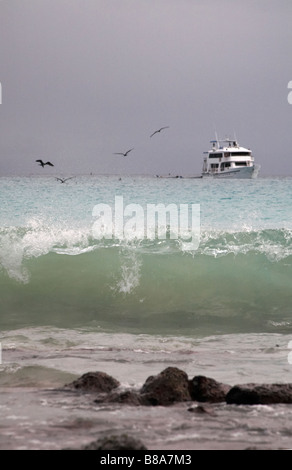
[[238, 173]]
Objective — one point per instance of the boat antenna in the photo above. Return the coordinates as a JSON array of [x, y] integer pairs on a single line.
[[216, 135]]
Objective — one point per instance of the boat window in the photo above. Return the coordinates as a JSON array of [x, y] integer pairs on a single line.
[[240, 163], [240, 154], [215, 155]]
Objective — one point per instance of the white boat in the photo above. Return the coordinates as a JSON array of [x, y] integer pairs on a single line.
[[227, 159]]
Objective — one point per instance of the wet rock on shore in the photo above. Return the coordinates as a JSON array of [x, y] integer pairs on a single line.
[[172, 385], [96, 382], [265, 394]]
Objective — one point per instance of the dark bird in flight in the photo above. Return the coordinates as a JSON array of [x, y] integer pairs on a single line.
[[43, 164], [159, 130], [63, 180], [124, 154]]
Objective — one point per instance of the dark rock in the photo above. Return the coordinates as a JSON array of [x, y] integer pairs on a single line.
[[95, 382], [166, 388], [265, 394], [122, 442], [206, 389]]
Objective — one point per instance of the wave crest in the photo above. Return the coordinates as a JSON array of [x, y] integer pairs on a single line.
[[38, 238]]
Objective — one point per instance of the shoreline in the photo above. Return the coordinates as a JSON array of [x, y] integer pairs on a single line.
[[35, 418]]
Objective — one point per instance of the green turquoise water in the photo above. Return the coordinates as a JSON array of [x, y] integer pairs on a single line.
[[55, 270]]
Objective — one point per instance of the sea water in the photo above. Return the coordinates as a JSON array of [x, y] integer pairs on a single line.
[[72, 301]]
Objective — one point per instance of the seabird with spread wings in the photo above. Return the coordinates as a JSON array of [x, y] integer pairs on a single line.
[[43, 164], [159, 130], [63, 180], [124, 154]]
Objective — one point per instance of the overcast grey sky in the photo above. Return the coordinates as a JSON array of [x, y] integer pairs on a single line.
[[82, 79]]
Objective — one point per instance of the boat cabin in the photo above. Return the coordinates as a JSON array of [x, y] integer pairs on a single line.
[[228, 157]]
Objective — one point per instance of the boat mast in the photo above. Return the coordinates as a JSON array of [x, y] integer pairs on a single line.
[[216, 136]]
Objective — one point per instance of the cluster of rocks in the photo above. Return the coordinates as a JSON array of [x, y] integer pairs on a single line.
[[172, 385]]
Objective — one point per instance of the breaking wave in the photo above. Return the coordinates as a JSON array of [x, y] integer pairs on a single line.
[[238, 281]]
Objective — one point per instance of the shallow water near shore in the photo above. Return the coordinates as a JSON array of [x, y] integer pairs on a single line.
[[37, 414], [71, 304]]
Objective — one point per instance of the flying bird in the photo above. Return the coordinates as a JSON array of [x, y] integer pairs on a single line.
[[159, 130], [124, 154], [43, 164], [63, 180]]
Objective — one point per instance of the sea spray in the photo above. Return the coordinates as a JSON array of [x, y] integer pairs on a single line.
[[130, 270]]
